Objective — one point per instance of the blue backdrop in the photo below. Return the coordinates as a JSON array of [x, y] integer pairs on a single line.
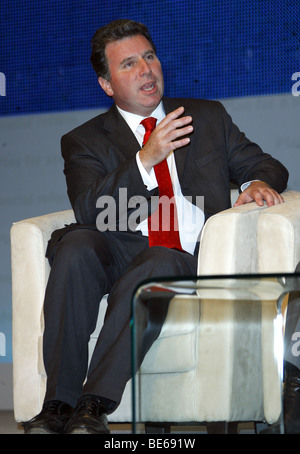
[[208, 48]]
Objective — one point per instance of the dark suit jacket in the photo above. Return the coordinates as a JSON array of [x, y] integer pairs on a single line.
[[100, 158]]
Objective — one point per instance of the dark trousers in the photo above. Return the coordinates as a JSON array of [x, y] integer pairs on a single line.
[[86, 265]]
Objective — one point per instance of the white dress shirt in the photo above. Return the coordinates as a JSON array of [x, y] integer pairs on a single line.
[[190, 216]]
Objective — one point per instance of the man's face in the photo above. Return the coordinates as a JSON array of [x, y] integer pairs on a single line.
[[136, 82]]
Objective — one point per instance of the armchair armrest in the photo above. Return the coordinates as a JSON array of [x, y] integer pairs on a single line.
[[243, 239], [278, 236], [228, 241]]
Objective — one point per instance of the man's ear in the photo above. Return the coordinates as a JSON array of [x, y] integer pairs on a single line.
[[105, 85]]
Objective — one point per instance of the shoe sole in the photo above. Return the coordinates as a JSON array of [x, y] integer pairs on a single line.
[[40, 431], [86, 431]]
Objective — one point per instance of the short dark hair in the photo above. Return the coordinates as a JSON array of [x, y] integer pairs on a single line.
[[114, 31]]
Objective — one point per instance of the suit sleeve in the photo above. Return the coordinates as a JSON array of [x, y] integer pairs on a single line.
[[98, 182], [248, 162]]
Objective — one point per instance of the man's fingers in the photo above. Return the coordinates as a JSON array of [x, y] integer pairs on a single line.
[[173, 135], [180, 143], [272, 197], [169, 135], [259, 193], [172, 115], [242, 199], [172, 127], [268, 194], [259, 198], [172, 120]]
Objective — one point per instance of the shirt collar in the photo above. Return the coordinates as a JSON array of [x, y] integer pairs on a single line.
[[134, 120]]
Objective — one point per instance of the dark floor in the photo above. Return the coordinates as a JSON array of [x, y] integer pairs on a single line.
[[9, 426]]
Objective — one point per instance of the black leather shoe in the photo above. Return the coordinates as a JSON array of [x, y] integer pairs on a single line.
[[51, 420], [89, 417]]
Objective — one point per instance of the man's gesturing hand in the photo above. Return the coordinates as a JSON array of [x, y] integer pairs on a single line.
[[167, 136], [258, 191]]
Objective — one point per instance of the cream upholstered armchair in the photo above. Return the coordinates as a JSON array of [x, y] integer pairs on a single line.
[[245, 239]]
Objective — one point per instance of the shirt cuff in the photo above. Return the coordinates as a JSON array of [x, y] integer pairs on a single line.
[[245, 185], [149, 179]]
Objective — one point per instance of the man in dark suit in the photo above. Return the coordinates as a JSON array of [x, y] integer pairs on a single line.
[[108, 251]]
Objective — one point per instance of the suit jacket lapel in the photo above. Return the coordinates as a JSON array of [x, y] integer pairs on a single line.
[[120, 132]]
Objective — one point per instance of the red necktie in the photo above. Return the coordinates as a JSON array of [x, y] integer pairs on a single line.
[[163, 223]]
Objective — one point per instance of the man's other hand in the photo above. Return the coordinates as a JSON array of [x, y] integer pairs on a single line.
[[258, 192]]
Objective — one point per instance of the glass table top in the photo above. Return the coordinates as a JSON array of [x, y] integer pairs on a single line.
[[187, 307]]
